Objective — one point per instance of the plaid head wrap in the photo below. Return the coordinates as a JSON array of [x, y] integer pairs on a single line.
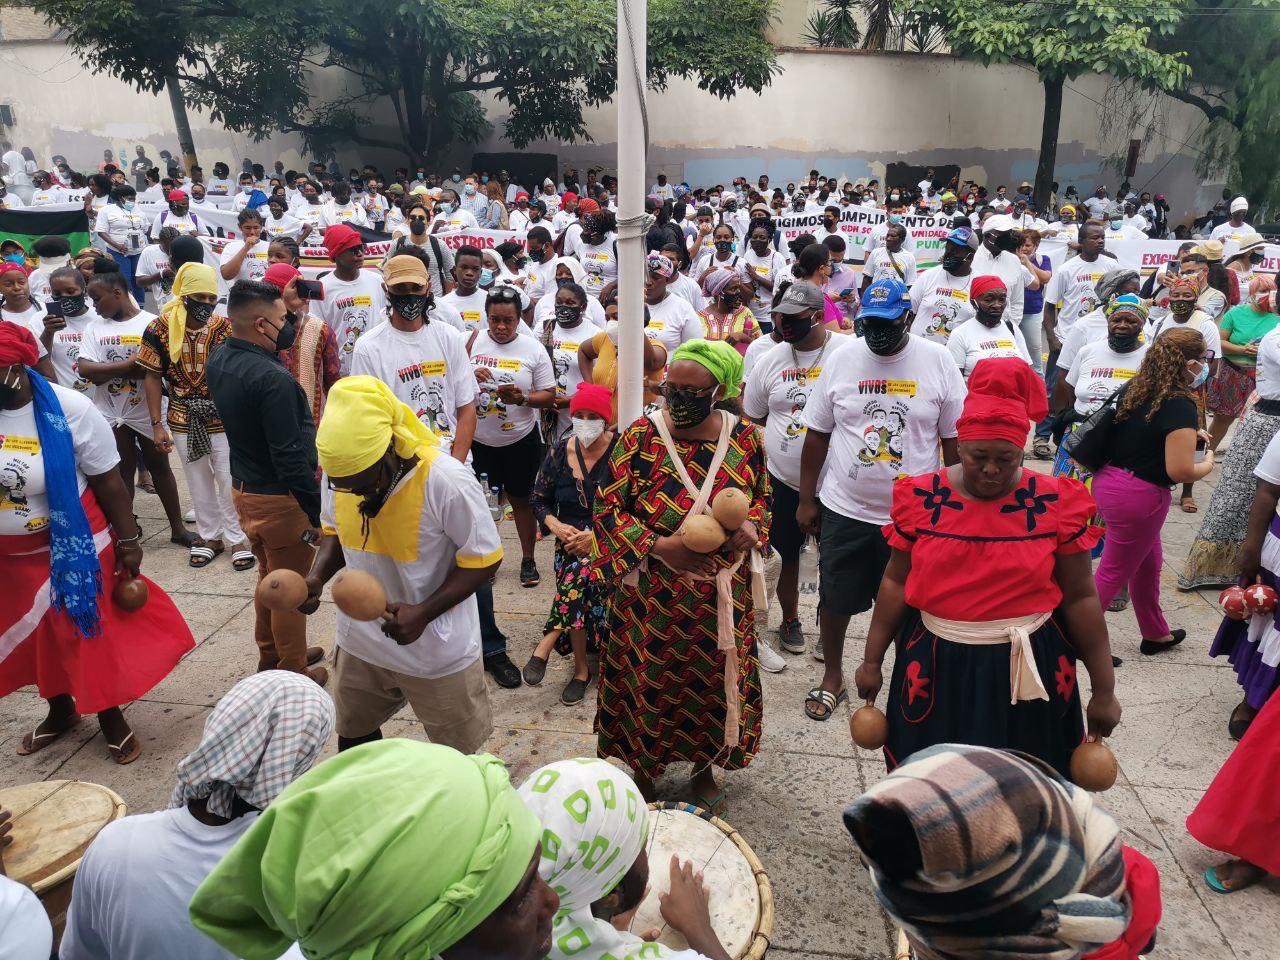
[[266, 732], [997, 857]]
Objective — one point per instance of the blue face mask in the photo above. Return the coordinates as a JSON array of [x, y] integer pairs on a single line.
[[128, 204], [486, 277], [484, 179], [15, 258], [895, 218], [446, 208], [1199, 379]]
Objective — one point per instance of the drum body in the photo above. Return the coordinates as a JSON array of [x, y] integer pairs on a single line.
[[741, 902], [54, 821]]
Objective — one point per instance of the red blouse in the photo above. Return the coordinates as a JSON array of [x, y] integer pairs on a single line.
[[983, 560]]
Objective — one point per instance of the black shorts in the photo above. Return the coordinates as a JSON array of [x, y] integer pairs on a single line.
[[852, 556], [784, 533], [512, 468]]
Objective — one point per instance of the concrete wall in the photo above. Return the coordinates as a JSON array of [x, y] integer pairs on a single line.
[[845, 112]]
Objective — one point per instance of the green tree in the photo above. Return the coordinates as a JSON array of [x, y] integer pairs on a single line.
[[431, 60], [834, 25], [1060, 41]]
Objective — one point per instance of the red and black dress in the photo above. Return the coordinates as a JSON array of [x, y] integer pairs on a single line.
[[980, 561]]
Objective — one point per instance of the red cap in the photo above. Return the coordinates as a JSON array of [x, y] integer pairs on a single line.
[[8, 266], [280, 275], [340, 238], [176, 196], [1005, 397], [980, 285], [521, 196], [588, 206], [568, 195], [18, 345], [592, 398]]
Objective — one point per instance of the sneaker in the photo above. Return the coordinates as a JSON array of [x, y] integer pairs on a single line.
[[816, 652], [791, 636], [770, 660], [529, 573], [189, 517], [503, 671]]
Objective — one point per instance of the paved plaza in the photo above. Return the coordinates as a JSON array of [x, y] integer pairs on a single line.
[[787, 804]]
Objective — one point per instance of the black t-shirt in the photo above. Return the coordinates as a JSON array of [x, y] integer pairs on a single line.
[[1137, 444]]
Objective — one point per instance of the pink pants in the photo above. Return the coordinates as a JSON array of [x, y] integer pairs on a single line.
[[1134, 511]]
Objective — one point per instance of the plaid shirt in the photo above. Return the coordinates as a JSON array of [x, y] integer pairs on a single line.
[[185, 378]]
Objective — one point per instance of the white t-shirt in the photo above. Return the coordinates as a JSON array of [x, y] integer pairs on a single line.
[[24, 502], [1072, 290], [25, 931], [136, 882], [11, 201], [875, 240], [150, 264], [1009, 269], [65, 349], [218, 186], [32, 318], [1199, 321], [350, 307], [254, 264], [971, 342], [1098, 372], [564, 360], [688, 289], [455, 527], [42, 198], [109, 341], [1225, 231], [186, 225], [458, 220], [123, 226], [940, 302], [1268, 467], [886, 416], [672, 321], [600, 261], [1268, 369], [469, 307], [779, 386], [428, 370], [525, 363], [878, 265], [286, 226], [1097, 206], [546, 309], [309, 214], [756, 349], [350, 213], [771, 267]]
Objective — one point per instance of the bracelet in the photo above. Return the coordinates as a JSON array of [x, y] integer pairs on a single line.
[[134, 539], [156, 423]]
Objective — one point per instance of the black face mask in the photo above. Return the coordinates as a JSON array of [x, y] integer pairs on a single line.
[[568, 316], [730, 302], [198, 313], [1123, 343], [724, 246], [1181, 308], [953, 264], [1008, 242], [687, 409], [411, 306], [72, 306], [563, 282], [794, 329], [287, 333], [829, 223], [985, 318], [883, 339], [417, 225]]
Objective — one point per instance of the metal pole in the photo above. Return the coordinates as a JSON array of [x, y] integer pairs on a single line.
[[632, 145]]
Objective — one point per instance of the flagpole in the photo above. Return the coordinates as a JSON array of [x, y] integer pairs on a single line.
[[633, 142]]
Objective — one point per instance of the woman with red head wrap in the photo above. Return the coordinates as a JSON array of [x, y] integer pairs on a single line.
[[989, 593], [66, 529]]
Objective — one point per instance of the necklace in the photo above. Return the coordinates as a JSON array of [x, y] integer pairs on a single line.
[[795, 357]]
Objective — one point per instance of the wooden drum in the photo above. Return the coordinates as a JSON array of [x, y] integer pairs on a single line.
[[741, 901], [54, 822]]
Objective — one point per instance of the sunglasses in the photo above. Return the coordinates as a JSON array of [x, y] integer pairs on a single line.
[[503, 294]]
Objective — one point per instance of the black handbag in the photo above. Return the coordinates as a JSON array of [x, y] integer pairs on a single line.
[[1089, 444]]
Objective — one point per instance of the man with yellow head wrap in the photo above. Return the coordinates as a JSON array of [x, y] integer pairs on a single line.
[[393, 850], [401, 509]]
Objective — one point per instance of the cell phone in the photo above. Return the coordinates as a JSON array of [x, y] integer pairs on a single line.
[[846, 291], [1201, 446], [309, 289], [54, 309]]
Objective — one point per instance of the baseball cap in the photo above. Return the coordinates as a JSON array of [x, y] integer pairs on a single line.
[[886, 299], [798, 298], [963, 237], [1000, 223], [521, 195], [405, 269], [176, 196], [395, 189]]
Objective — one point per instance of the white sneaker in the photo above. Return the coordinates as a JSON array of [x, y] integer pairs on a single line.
[[770, 660], [189, 517]]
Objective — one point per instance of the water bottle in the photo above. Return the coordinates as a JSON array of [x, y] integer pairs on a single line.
[[495, 504]]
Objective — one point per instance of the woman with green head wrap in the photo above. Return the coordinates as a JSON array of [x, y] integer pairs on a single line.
[[390, 850], [679, 679]]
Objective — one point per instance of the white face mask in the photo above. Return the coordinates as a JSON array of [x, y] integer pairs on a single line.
[[587, 431], [611, 331]]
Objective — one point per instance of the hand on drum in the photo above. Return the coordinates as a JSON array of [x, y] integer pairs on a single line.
[[6, 829], [686, 907]]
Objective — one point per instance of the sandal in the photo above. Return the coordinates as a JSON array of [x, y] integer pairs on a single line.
[[1216, 884], [202, 554], [1188, 505], [714, 807], [1118, 603], [118, 753], [824, 699], [1041, 450], [35, 741], [243, 560]]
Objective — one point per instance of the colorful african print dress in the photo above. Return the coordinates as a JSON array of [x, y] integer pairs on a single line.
[[979, 561], [662, 697]]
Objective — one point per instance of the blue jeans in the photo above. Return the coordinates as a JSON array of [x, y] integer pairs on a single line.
[[128, 264], [492, 640], [1044, 429]]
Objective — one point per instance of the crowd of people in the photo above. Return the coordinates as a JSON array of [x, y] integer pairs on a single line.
[[386, 418]]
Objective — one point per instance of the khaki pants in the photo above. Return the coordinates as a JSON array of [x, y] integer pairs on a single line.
[[454, 710], [274, 525]]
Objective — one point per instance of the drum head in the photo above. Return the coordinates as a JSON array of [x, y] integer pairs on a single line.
[[735, 902], [54, 822]]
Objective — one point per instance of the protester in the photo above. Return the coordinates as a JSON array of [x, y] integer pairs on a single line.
[[17, 305], [246, 259], [122, 229], [672, 320], [467, 297], [398, 507], [65, 525], [998, 256], [439, 257], [763, 267], [313, 358], [563, 502], [700, 652], [565, 271], [1038, 266], [154, 270], [353, 297], [725, 317], [988, 594], [598, 359], [885, 409], [989, 333], [940, 300], [1235, 227], [138, 876], [890, 259], [561, 334], [1241, 329]]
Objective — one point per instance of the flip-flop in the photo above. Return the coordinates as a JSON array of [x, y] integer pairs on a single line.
[[826, 699], [34, 742], [1189, 505], [118, 753], [714, 807], [1217, 886], [243, 560]]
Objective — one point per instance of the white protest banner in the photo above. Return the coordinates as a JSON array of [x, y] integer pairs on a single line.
[[857, 223]]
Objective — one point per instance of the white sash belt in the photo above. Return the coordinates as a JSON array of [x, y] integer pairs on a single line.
[[1024, 677]]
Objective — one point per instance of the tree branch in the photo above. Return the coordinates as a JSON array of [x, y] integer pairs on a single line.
[[1214, 111]]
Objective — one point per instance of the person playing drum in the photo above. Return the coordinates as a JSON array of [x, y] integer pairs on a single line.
[[593, 813]]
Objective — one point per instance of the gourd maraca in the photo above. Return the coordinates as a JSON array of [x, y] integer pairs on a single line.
[[869, 727], [702, 534], [360, 596], [130, 593], [707, 534], [1260, 598], [1094, 766], [282, 590], [1233, 603], [730, 508]]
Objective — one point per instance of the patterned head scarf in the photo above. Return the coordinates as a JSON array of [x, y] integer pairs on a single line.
[[724, 362], [1126, 303], [266, 732], [389, 850], [594, 827], [1112, 282], [1184, 281], [716, 281], [190, 278], [1012, 860]]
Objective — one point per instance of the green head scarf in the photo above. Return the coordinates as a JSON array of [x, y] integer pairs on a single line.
[[724, 362], [392, 849]]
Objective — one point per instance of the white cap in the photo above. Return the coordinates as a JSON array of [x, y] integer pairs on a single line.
[[998, 224], [1239, 203]]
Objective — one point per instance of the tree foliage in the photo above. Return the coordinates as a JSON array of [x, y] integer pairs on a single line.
[[253, 65], [834, 25]]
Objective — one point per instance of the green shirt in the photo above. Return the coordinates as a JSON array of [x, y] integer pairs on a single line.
[[1243, 324]]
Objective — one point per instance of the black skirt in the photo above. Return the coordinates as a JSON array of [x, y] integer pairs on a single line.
[[946, 692]]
